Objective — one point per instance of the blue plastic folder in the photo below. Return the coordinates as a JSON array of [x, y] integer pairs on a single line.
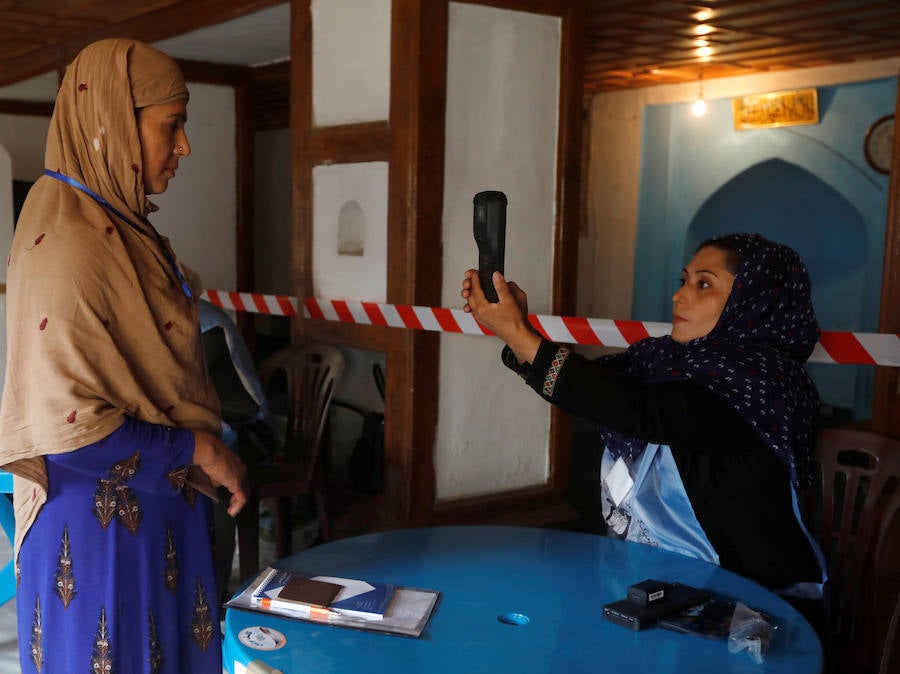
[[363, 604], [356, 598]]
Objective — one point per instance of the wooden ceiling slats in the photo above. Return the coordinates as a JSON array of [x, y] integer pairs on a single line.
[[148, 20], [115, 11], [802, 53], [791, 10], [635, 43], [10, 50], [43, 34], [845, 22], [628, 43], [107, 11]]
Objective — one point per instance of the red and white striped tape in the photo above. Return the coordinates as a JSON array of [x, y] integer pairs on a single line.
[[847, 348]]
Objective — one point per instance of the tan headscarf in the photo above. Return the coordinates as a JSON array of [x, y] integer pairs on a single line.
[[98, 324]]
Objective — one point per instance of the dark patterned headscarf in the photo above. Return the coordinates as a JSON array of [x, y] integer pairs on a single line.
[[753, 358]]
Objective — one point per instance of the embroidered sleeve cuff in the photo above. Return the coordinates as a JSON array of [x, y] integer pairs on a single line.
[[553, 371], [546, 368]]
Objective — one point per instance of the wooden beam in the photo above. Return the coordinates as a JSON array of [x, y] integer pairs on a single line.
[[370, 141], [214, 73], [244, 235], [415, 207], [152, 26], [368, 337], [26, 108], [886, 400], [568, 215], [551, 7], [301, 168], [272, 96]]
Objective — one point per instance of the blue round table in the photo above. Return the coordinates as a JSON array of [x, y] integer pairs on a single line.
[[559, 580]]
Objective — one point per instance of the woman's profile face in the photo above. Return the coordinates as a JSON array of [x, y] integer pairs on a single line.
[[698, 303], [163, 143]]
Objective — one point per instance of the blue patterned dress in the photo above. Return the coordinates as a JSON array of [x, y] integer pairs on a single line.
[[119, 512]]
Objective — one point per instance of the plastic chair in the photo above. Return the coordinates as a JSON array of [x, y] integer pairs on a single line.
[[8, 524], [311, 372], [238, 405], [857, 529], [890, 654], [240, 397]]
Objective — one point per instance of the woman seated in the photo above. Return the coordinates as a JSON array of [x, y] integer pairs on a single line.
[[708, 432]]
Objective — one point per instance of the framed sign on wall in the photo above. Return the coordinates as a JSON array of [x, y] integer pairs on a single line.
[[780, 108]]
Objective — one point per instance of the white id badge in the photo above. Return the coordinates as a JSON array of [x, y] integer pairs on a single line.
[[618, 481]]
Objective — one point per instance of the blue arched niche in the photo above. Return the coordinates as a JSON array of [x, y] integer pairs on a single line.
[[808, 186], [787, 203]]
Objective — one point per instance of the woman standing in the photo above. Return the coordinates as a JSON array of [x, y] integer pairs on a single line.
[[108, 421]]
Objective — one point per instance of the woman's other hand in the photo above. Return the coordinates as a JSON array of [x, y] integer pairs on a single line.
[[223, 468], [507, 318]]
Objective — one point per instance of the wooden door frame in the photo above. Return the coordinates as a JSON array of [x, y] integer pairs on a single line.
[[886, 400], [547, 503], [412, 142], [415, 203]]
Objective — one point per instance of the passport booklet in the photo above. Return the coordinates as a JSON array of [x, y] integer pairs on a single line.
[[348, 602]]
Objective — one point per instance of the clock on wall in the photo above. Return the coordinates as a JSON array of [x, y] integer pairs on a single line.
[[879, 144]]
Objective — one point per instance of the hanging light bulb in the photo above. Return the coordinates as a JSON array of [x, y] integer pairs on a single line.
[[699, 106]]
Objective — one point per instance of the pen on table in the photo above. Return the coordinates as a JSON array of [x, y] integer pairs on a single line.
[[311, 612], [269, 633]]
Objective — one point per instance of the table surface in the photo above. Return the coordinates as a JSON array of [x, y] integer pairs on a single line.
[[559, 580]]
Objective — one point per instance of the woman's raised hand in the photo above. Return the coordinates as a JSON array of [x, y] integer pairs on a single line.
[[507, 318], [223, 468]]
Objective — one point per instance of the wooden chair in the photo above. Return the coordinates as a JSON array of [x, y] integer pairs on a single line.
[[856, 523], [890, 654], [310, 372]]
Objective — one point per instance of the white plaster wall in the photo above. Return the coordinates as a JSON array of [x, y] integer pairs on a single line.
[[259, 38], [25, 137], [6, 213], [501, 133], [6, 235], [606, 255], [272, 229], [337, 276], [40, 88], [198, 211], [351, 45], [22, 140]]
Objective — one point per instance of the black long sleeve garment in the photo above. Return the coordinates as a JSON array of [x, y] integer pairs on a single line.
[[739, 490]]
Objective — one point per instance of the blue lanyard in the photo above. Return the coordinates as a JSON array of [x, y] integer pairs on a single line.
[[185, 288]]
